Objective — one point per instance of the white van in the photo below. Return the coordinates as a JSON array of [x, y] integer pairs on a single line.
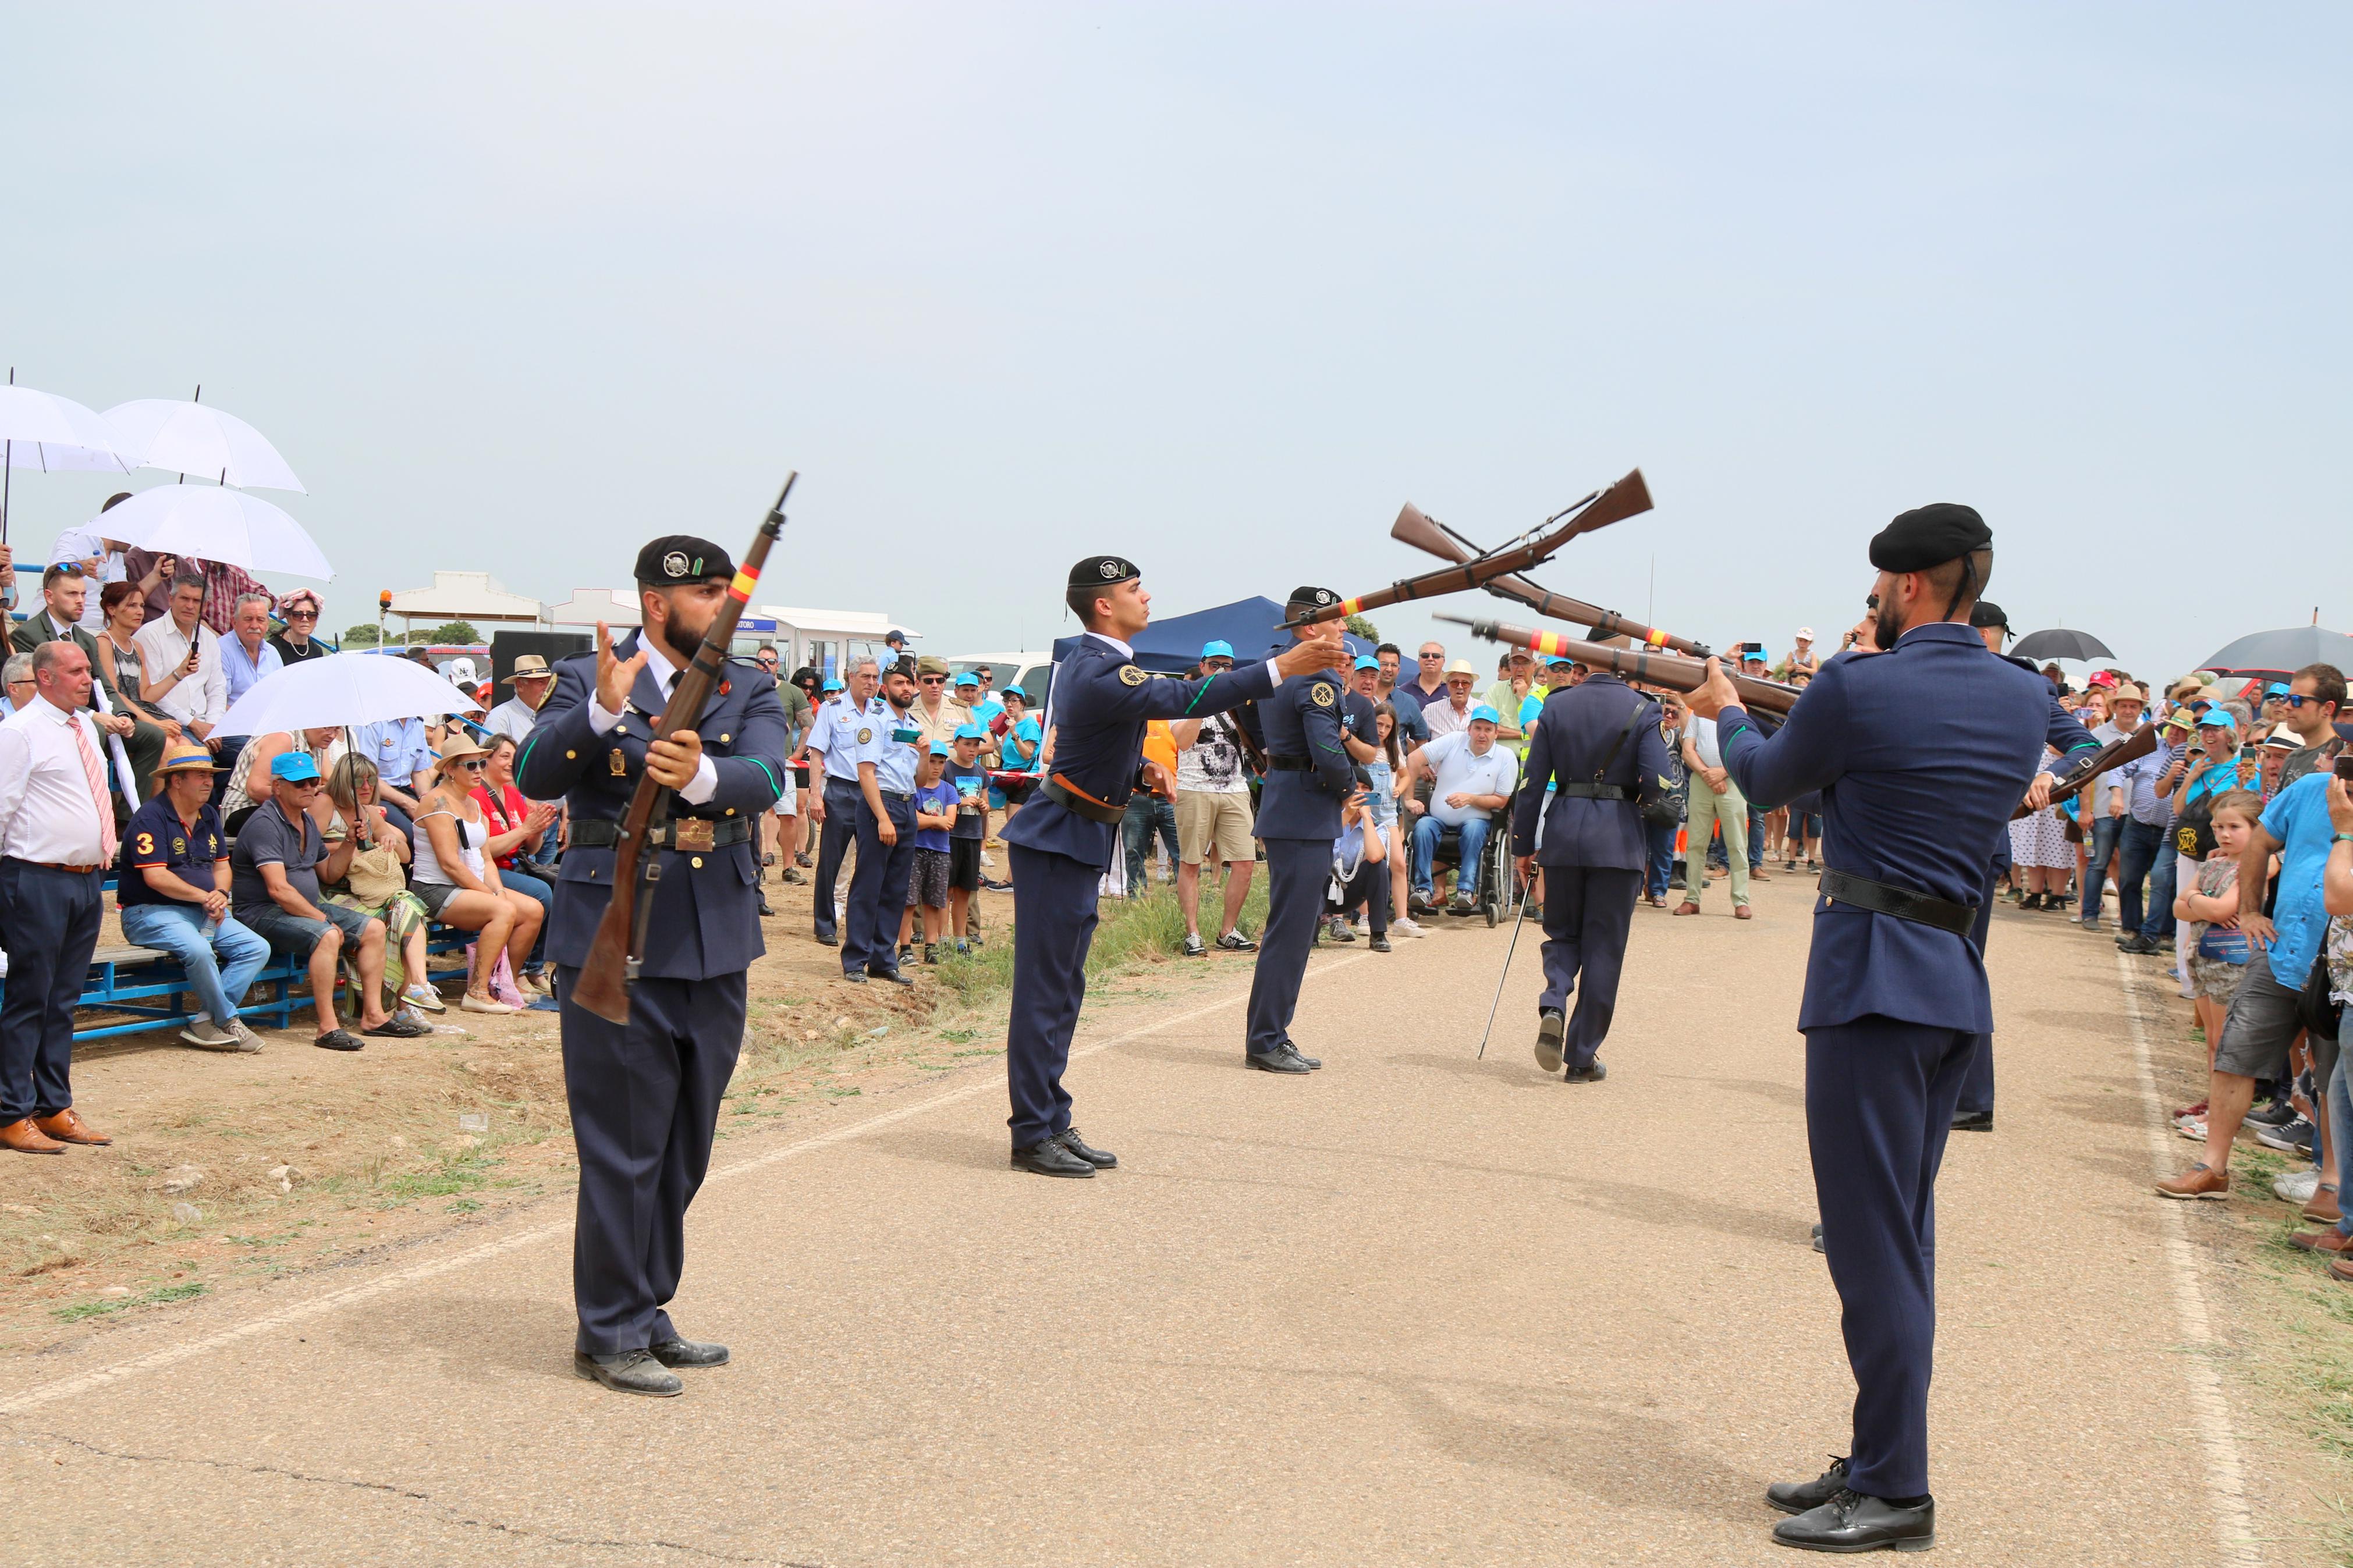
[[1032, 672]]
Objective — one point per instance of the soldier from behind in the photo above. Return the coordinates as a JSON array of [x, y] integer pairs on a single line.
[[645, 1095], [1598, 745]]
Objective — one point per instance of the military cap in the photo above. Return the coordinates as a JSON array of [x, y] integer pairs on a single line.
[[1989, 614], [1310, 599], [1930, 536], [931, 664], [677, 558], [1103, 572]]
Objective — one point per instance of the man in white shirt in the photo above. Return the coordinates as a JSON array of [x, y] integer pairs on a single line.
[[532, 681], [1715, 799], [1473, 779], [181, 656], [56, 837], [103, 562], [1451, 715]]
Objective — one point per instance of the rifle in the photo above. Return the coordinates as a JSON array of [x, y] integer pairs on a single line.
[[2114, 754], [1424, 532], [1671, 670], [1599, 509], [613, 957]]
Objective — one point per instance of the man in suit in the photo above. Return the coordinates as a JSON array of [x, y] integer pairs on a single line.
[[1061, 842], [64, 590], [1598, 745], [1308, 774], [1931, 744], [645, 1095]]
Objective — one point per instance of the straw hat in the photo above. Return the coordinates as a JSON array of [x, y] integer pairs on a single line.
[[187, 757], [456, 746], [531, 667]]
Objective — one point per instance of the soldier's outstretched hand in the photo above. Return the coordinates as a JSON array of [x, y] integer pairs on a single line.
[[1326, 649], [614, 675]]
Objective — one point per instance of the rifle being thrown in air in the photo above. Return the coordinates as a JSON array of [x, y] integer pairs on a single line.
[[613, 957], [1425, 533], [1671, 670]]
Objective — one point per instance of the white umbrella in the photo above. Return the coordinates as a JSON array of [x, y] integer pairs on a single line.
[[42, 430], [214, 524], [341, 688], [190, 438]]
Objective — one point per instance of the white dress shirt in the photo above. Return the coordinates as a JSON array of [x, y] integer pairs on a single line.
[[46, 810], [705, 781], [202, 697], [84, 544]]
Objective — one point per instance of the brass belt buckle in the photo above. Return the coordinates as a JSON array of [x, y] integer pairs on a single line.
[[692, 834]]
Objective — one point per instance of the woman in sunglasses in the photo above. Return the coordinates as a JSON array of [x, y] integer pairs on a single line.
[[458, 883]]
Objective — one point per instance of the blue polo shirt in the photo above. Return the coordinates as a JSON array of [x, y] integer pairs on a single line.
[[158, 837], [2298, 817]]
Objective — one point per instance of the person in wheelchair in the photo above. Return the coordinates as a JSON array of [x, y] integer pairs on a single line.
[[1472, 779]]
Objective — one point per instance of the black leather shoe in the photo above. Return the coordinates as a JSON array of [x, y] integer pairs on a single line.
[[765, 912], [1051, 1159], [1280, 1059], [628, 1372], [1972, 1121], [1818, 1241], [854, 976], [1854, 1523], [1101, 1159], [1550, 1026], [1796, 1497], [892, 975], [676, 1351], [1592, 1072], [829, 938]]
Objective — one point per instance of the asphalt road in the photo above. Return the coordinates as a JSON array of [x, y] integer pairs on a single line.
[[1416, 1308]]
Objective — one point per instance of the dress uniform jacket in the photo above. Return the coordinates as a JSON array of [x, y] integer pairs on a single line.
[[1301, 719], [1580, 726], [705, 916]]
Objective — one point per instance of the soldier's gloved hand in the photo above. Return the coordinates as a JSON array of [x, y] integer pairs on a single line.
[[672, 764]]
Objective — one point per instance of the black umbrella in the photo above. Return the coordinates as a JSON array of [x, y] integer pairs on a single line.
[[2060, 643], [2282, 653]]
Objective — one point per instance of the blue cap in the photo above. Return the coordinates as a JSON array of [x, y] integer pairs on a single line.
[[971, 732], [833, 683], [1218, 649], [1485, 711], [969, 678], [1557, 662], [2218, 716], [293, 766], [1366, 661], [1030, 729], [942, 749], [2276, 689]]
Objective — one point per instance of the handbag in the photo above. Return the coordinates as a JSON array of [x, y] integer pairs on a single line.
[[375, 877]]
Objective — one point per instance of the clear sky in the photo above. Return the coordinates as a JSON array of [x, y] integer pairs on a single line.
[[1218, 287]]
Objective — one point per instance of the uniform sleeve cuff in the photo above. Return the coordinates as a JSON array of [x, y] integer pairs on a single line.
[[598, 719], [703, 785]]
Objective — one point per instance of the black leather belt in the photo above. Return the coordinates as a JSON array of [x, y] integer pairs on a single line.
[[1070, 799], [1844, 888], [683, 833], [1595, 791], [1290, 765]]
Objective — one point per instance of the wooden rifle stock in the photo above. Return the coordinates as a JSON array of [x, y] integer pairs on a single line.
[[604, 985], [1425, 533], [1671, 670], [2114, 754], [1599, 509]]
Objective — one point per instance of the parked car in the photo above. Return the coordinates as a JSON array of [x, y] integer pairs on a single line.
[[1032, 672]]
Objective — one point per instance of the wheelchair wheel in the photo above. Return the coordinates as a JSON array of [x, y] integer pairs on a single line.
[[1496, 884]]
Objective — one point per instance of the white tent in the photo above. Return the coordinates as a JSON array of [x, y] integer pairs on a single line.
[[463, 596], [823, 638], [614, 606]]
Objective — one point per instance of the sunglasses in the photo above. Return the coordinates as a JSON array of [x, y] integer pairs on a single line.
[[1430, 658], [473, 764], [302, 615], [305, 783], [1216, 664], [2299, 699], [934, 679]]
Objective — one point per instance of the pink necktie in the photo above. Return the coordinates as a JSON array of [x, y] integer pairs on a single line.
[[97, 777]]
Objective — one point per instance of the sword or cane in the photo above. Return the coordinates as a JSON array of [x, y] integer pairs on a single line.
[[1512, 948]]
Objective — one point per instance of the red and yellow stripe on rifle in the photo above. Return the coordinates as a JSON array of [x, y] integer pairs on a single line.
[[745, 581], [1350, 607], [1549, 642], [1654, 636]]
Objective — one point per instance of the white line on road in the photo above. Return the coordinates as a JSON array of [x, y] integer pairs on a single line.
[[335, 1301], [2226, 1483]]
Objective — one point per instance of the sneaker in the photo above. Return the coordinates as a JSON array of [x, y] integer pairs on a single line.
[[1193, 946], [931, 953], [2297, 1186], [419, 994], [1338, 930], [246, 1040], [1404, 927], [2278, 1113], [792, 875], [2197, 1182], [2295, 1138], [207, 1036], [1381, 944], [1461, 907], [537, 982], [1235, 942], [804, 863]]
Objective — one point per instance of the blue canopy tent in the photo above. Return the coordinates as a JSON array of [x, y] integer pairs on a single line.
[[1174, 645]]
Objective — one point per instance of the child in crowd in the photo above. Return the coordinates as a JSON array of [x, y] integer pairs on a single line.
[[1360, 869], [2217, 948], [936, 802], [966, 775]]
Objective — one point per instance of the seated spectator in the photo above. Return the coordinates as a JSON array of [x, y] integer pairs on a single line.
[[533, 680], [458, 883], [375, 883], [276, 868], [122, 613], [18, 678], [1360, 869], [404, 766], [299, 642], [518, 828], [103, 562], [238, 800], [179, 659], [1472, 779], [172, 883], [1451, 713]]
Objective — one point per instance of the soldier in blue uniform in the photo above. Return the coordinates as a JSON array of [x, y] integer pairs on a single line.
[[833, 735], [645, 1095], [1308, 773], [1598, 745], [2065, 734], [883, 752], [1061, 842], [1921, 752]]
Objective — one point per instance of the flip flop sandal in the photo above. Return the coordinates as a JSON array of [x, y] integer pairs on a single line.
[[398, 1029], [339, 1040]]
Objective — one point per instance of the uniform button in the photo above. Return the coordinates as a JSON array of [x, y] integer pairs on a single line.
[[731, 811], [696, 862], [571, 756], [724, 739]]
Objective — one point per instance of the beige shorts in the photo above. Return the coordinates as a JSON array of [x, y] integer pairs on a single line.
[[1215, 825]]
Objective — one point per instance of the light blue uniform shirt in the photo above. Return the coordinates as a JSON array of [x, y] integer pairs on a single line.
[[834, 731], [890, 747], [396, 747]]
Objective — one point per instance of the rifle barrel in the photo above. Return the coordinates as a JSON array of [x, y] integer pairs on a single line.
[[1671, 670]]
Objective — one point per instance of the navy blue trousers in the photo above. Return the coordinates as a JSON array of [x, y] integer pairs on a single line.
[[1298, 875], [50, 919], [1587, 912], [842, 800], [1879, 1105], [1976, 1085], [878, 889], [645, 1101], [1053, 926]]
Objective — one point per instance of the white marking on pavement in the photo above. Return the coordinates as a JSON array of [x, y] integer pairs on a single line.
[[334, 1300], [2226, 1476]]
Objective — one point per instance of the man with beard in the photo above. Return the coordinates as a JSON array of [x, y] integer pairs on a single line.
[[645, 1095]]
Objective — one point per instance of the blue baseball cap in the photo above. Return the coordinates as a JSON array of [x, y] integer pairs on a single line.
[[1366, 661], [2219, 716], [942, 749], [833, 683], [969, 678], [971, 732], [2276, 689], [294, 766], [1557, 662], [1485, 711], [1218, 649]]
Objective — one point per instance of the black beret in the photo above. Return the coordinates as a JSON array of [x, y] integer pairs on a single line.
[[1103, 572], [1989, 614], [1310, 599], [1930, 536], [681, 558]]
